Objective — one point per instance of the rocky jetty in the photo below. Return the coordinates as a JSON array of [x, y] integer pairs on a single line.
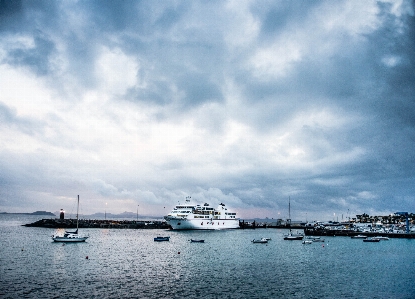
[[94, 223]]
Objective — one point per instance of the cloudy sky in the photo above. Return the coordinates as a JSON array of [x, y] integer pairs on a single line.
[[138, 104]]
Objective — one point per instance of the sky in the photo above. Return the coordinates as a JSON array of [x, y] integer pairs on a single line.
[[135, 105]]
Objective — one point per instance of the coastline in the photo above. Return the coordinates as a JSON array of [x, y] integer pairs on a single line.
[[140, 224]]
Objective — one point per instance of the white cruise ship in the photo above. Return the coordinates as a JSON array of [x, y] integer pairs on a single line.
[[190, 216]]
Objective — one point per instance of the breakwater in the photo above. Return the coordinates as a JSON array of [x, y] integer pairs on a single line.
[[94, 223], [135, 224], [254, 224]]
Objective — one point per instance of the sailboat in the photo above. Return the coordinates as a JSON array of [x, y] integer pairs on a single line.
[[71, 236], [292, 236]]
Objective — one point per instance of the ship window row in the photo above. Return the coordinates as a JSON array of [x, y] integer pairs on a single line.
[[203, 212], [197, 216]]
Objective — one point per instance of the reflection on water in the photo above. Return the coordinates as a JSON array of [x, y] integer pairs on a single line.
[[128, 263]]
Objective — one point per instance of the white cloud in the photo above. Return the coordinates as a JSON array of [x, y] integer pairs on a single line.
[[366, 195], [349, 17], [391, 61], [276, 61], [24, 92], [242, 28], [116, 71]]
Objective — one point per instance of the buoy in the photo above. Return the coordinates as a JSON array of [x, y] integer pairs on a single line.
[[178, 252], [86, 257]]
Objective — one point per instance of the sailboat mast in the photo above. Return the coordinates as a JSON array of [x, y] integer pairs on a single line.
[[289, 207], [77, 211]]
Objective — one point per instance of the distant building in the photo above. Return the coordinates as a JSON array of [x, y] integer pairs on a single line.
[[401, 213]]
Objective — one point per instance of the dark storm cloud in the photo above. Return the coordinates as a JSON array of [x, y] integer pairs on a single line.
[[253, 102], [10, 13], [36, 58]]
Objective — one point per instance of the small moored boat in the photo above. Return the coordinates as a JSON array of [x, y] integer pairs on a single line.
[[313, 238], [160, 239], [292, 237], [359, 237], [307, 242], [371, 240], [262, 240], [197, 241]]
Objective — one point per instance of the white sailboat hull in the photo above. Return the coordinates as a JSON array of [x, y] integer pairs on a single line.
[[73, 239]]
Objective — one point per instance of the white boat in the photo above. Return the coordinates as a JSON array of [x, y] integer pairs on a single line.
[[194, 216], [382, 238], [371, 240], [307, 242], [71, 236], [197, 241], [359, 237], [262, 240], [292, 236]]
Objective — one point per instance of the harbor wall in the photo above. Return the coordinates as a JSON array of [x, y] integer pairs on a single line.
[[94, 223]]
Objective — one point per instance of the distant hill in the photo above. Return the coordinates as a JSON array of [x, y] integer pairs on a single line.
[[43, 213]]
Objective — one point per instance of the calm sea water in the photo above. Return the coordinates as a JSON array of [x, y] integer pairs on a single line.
[[129, 264]]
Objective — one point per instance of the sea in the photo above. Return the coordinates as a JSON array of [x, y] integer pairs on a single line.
[[127, 263]]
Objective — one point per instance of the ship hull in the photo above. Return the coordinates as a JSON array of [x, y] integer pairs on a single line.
[[185, 224]]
